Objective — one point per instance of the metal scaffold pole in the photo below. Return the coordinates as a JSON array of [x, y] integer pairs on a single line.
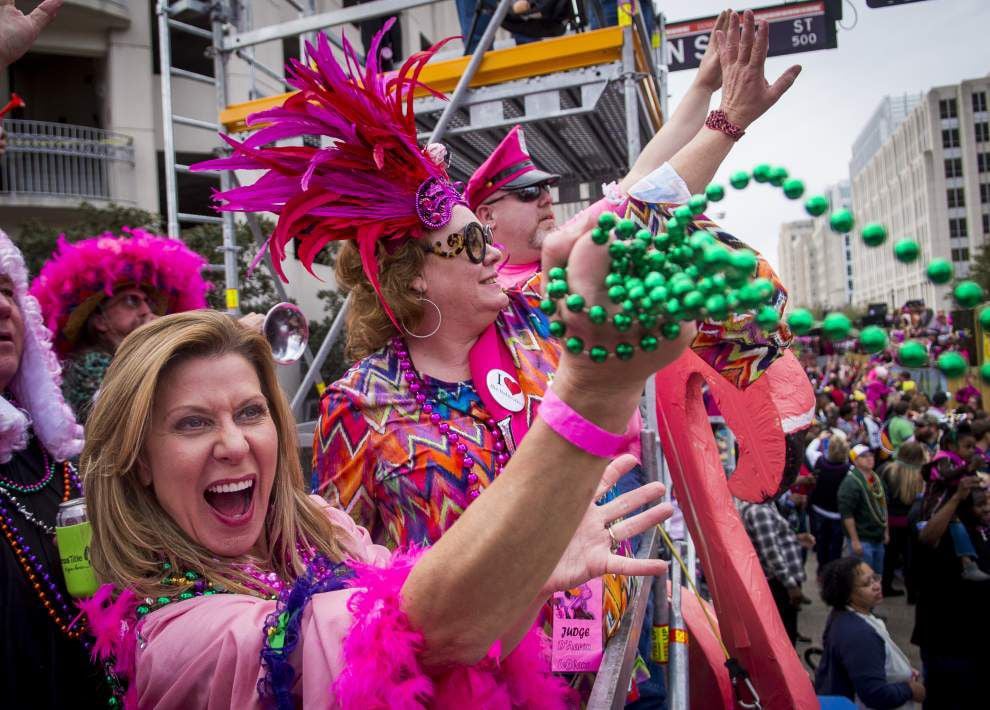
[[219, 14], [168, 129]]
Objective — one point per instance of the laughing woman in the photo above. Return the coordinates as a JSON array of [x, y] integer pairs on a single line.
[[230, 587]]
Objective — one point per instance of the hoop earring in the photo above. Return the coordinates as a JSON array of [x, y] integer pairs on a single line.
[[432, 332]]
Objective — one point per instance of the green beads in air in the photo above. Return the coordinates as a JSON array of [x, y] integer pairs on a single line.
[[739, 180], [816, 205], [777, 176], [836, 326], [715, 192], [912, 354], [800, 321], [793, 188], [761, 173], [874, 234], [985, 372], [985, 319], [906, 250], [939, 271], [968, 294], [683, 273], [841, 221], [873, 339], [952, 364]]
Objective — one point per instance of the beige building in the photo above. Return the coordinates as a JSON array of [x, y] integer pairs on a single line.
[[795, 264], [929, 179], [815, 262]]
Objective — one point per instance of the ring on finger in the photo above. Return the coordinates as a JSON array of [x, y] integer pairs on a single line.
[[615, 541]]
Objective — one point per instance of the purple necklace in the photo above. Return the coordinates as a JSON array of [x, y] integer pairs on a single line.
[[428, 407], [41, 580]]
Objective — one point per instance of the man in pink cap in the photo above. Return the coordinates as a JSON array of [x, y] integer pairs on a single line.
[[511, 195]]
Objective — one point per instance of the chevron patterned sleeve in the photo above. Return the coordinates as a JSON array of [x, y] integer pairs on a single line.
[[737, 348], [342, 463]]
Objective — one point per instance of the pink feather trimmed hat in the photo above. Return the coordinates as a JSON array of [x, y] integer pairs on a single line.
[[372, 184], [80, 276]]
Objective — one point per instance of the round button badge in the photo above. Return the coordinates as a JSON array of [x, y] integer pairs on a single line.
[[505, 390]]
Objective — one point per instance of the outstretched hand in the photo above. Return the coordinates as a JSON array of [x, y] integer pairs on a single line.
[[590, 553], [746, 94], [19, 31], [709, 73], [587, 265]]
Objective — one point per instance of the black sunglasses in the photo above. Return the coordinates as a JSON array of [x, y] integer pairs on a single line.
[[475, 239], [530, 193]]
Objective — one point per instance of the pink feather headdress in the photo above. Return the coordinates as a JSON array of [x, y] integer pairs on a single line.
[[373, 184], [80, 274]]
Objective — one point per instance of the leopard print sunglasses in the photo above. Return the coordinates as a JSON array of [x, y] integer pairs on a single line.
[[474, 239]]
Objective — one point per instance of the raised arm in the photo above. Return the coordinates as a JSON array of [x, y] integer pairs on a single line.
[[936, 526], [508, 542], [746, 95], [689, 117]]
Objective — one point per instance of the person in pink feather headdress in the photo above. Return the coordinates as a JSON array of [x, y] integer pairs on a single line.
[[453, 373], [96, 291]]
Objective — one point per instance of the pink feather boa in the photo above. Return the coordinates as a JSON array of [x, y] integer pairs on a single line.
[[113, 626], [381, 653], [383, 669]]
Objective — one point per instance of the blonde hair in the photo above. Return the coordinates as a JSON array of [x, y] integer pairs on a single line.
[[132, 534], [904, 473], [368, 325], [838, 450]]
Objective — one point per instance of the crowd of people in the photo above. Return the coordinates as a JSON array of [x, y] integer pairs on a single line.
[[892, 499], [412, 572]]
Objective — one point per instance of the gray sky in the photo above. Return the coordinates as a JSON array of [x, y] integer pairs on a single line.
[[893, 50]]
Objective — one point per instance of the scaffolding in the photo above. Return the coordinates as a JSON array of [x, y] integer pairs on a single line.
[[590, 101]]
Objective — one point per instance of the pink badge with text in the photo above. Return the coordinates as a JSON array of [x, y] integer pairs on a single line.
[[577, 628]]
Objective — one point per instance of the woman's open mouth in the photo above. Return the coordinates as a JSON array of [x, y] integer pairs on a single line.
[[231, 500], [493, 279]]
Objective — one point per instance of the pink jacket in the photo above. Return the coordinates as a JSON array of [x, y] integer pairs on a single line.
[[356, 649]]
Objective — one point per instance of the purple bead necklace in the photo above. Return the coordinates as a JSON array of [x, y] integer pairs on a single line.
[[428, 406], [40, 579]]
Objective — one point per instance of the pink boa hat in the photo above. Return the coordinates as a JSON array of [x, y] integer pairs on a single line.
[[37, 382], [80, 276]]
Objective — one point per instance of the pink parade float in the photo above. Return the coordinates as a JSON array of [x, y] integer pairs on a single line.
[[761, 416]]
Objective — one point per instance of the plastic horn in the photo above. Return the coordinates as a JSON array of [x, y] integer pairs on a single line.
[[287, 331], [15, 102]]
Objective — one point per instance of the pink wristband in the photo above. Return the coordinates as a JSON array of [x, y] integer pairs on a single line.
[[577, 430]]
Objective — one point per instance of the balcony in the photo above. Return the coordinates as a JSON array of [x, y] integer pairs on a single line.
[[60, 165], [88, 14]]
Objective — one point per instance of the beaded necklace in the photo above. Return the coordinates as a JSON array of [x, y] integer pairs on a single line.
[[49, 467], [265, 585], [429, 406], [27, 514], [875, 498], [42, 581]]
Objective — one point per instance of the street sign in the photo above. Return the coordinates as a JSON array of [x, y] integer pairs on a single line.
[[795, 27], [887, 3]]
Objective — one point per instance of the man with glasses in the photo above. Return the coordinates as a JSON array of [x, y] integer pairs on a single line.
[[95, 292], [509, 194]]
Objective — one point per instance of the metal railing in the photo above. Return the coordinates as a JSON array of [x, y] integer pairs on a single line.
[[60, 159]]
